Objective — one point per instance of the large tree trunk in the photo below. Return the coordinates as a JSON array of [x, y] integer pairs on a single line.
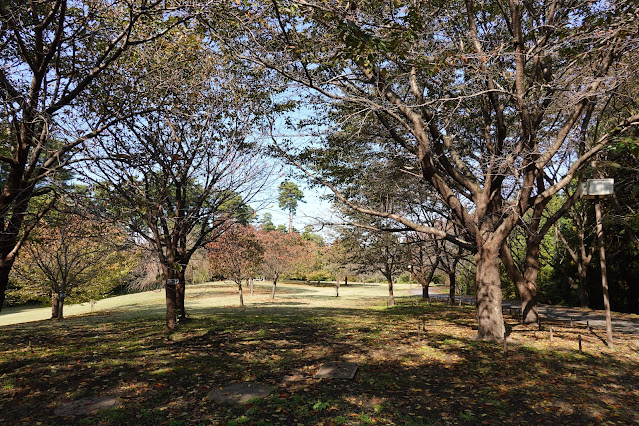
[[451, 291], [54, 305], [5, 269], [171, 298], [17, 211], [490, 319], [180, 290], [60, 316]]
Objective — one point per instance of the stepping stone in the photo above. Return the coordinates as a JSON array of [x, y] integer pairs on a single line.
[[337, 370], [238, 393], [87, 406]]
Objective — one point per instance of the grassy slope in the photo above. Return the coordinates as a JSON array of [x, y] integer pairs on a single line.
[[447, 377]]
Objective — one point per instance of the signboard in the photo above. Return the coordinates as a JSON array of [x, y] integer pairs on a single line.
[[171, 282], [596, 188]]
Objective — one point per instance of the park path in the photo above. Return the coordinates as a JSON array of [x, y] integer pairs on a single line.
[[623, 323]]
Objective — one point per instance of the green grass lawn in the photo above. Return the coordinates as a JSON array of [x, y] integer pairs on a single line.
[[445, 377]]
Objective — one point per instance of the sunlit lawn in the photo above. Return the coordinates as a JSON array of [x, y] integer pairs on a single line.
[[443, 378]]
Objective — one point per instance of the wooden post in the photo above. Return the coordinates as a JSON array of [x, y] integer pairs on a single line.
[[579, 338], [570, 321], [604, 275], [588, 325], [551, 333]]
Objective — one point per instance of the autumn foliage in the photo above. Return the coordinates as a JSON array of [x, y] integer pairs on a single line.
[[236, 255], [282, 252]]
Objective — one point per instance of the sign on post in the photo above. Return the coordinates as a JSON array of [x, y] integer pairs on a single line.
[[596, 188], [172, 282]]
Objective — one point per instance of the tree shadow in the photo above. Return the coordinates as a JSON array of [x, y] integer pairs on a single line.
[[446, 377]]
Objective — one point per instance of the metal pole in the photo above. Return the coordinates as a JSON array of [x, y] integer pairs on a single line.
[[604, 276]]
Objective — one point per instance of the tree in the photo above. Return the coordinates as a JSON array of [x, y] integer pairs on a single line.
[[236, 255], [377, 250], [289, 195], [72, 256], [423, 260], [181, 174], [52, 53], [266, 223], [339, 262], [281, 251], [484, 101]]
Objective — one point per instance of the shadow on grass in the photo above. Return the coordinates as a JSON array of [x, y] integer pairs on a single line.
[[447, 377]]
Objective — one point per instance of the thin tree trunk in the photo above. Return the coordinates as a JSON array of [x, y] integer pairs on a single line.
[[584, 297], [274, 286], [525, 284], [290, 221], [346, 280], [391, 296], [490, 319], [528, 293], [239, 288], [425, 283], [250, 280], [581, 257], [337, 288]]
